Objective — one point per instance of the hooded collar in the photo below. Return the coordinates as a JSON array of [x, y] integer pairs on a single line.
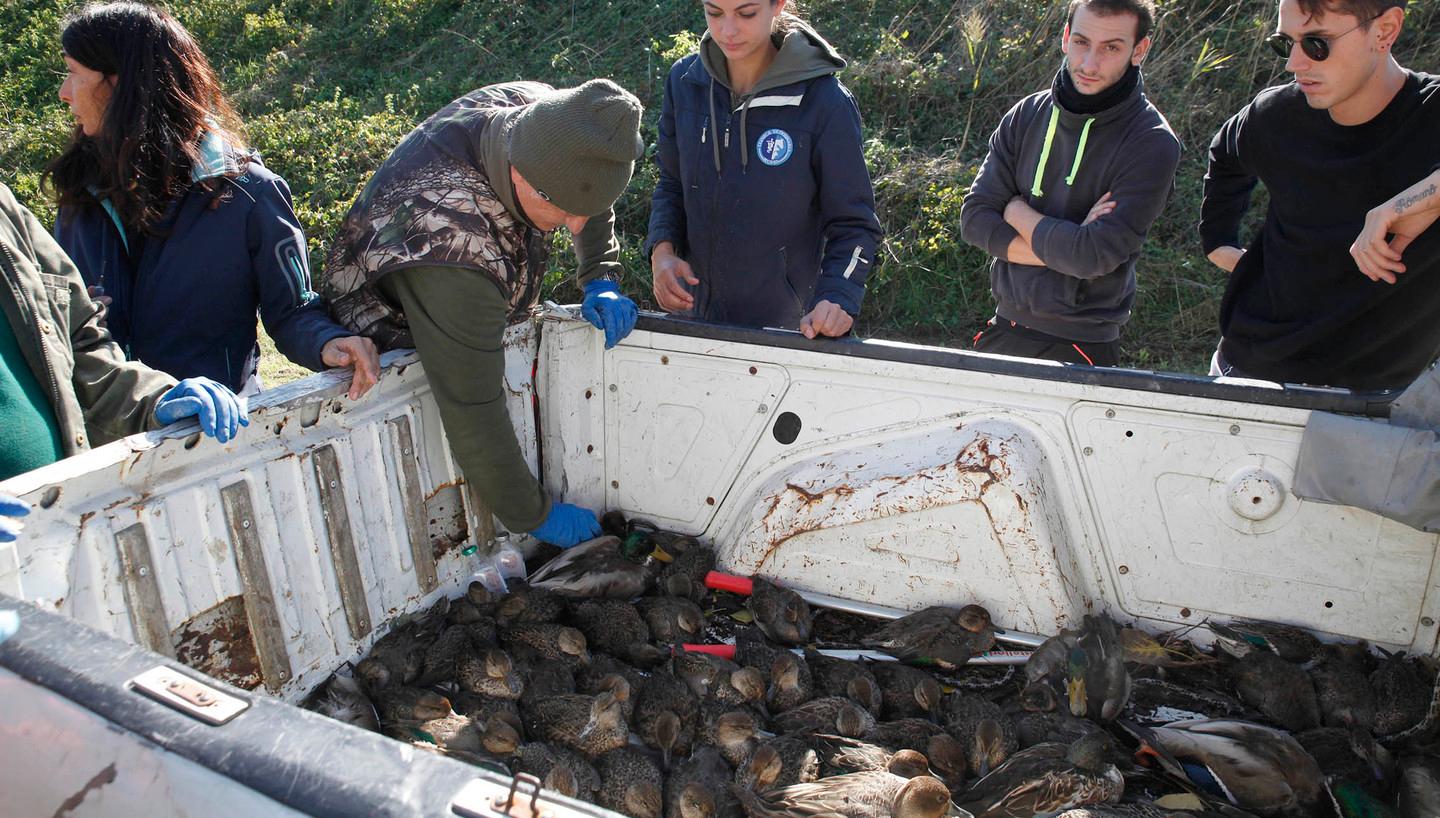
[[803, 55], [495, 160]]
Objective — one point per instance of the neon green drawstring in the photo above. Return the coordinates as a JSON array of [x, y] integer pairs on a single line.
[[1079, 152], [1045, 152]]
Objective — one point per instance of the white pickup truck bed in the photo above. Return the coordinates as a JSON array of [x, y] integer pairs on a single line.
[[880, 473]]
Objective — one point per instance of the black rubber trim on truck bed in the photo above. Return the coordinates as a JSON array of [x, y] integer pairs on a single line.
[[1324, 399], [303, 760]]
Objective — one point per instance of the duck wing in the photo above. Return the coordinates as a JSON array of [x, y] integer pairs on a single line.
[[1054, 791], [1257, 767], [592, 569], [853, 795]]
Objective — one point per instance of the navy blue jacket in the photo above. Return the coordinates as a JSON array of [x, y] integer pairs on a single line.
[[783, 215], [186, 304]]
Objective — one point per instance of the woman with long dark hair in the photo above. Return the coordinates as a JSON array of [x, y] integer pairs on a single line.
[[169, 215], [764, 214]]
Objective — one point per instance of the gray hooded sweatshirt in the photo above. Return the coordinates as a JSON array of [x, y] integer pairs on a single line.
[[1062, 163]]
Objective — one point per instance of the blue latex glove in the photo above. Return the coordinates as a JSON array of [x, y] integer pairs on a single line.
[[10, 509], [568, 526], [221, 414], [607, 309]]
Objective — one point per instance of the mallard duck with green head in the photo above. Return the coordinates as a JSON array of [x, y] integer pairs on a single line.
[[606, 567], [1250, 765]]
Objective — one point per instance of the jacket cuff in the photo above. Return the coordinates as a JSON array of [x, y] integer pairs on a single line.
[[317, 361], [1040, 238], [655, 238], [997, 244], [845, 295], [1212, 238]]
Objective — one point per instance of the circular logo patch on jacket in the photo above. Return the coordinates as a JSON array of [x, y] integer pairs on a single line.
[[775, 147]]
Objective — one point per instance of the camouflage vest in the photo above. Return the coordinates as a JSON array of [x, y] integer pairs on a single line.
[[431, 204]]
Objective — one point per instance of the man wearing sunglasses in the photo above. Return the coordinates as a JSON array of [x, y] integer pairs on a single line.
[[1352, 128], [1074, 178]]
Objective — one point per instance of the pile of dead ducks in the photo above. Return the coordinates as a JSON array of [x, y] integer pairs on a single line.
[[580, 678]]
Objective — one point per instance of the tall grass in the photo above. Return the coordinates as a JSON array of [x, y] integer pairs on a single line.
[[329, 86]]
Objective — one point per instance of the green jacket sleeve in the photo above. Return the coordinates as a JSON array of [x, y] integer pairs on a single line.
[[116, 397], [457, 318], [597, 250]]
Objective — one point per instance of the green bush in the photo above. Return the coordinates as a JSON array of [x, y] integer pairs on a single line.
[[329, 86]]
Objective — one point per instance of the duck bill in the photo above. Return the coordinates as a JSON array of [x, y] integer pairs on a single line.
[[661, 555], [1076, 689]]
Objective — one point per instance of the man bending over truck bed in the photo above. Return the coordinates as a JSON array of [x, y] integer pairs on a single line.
[[447, 245], [1351, 130], [64, 385], [1074, 178]]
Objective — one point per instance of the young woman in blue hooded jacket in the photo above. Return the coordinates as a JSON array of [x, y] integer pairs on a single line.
[[764, 214], [172, 221]]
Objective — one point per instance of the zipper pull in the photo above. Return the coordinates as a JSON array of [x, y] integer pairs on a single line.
[[703, 130], [727, 138]]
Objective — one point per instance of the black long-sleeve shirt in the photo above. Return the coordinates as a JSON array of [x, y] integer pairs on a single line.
[[1297, 308]]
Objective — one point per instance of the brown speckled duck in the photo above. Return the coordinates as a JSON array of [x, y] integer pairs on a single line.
[[549, 641], [528, 605], [541, 759], [610, 626], [780, 613], [982, 728], [685, 575], [873, 794], [1281, 691], [699, 787], [946, 636], [1049, 778], [791, 683], [1342, 686], [666, 714], [733, 732], [905, 734], [844, 677], [401, 703], [831, 714], [742, 686], [589, 724], [779, 762], [489, 674], [907, 691], [1401, 695], [672, 619], [630, 783]]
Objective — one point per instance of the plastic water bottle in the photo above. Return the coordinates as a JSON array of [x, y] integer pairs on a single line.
[[505, 562], [487, 573]]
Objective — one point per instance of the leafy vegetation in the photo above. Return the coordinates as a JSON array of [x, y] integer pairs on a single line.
[[328, 87]]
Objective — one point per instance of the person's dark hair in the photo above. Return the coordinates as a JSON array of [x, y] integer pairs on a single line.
[[789, 20], [166, 98], [1364, 10], [1144, 11]]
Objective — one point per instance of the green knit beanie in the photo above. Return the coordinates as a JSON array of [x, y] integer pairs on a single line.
[[578, 146]]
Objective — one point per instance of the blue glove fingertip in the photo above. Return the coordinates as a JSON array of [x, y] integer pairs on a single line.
[[13, 506]]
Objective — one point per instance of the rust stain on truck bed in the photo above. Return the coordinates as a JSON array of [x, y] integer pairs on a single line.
[[797, 509], [218, 643]]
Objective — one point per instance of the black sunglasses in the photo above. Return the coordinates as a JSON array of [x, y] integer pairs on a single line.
[[1315, 47]]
